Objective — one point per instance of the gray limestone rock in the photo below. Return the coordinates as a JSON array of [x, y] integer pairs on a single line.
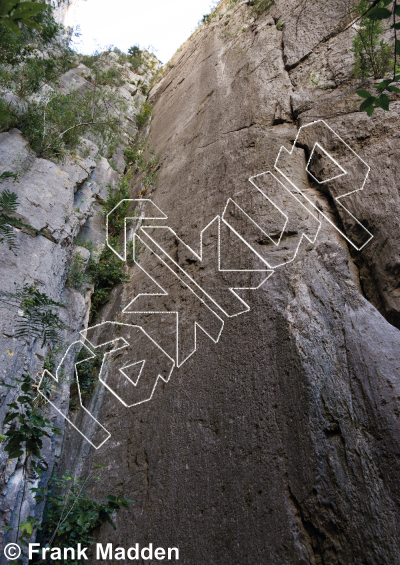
[[277, 440]]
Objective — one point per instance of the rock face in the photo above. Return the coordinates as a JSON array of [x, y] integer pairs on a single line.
[[63, 203], [280, 442], [276, 438], [66, 12]]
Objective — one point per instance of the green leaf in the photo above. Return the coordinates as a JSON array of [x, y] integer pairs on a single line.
[[395, 26], [27, 9], [367, 103], [393, 89], [24, 399], [10, 417], [386, 2], [7, 6], [398, 46], [31, 24], [383, 102], [12, 26], [378, 14], [370, 110], [26, 387], [364, 93], [384, 84], [397, 10], [15, 453], [27, 528], [2, 438]]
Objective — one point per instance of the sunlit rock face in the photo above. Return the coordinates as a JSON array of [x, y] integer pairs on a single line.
[[66, 11]]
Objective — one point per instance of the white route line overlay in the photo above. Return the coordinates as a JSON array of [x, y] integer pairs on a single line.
[[126, 344], [65, 416], [311, 240], [161, 216], [165, 293], [200, 258], [92, 355], [142, 216], [337, 176]]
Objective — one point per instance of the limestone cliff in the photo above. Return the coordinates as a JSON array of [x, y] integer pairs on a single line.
[[62, 204], [276, 438]]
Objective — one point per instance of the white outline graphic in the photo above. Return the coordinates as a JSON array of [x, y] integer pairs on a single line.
[[142, 216], [163, 292], [57, 379], [330, 157], [124, 346], [141, 363], [311, 240], [189, 281], [91, 356], [200, 258], [338, 197]]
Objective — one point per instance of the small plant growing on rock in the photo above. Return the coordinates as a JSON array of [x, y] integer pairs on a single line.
[[76, 275], [116, 220], [88, 370], [26, 436], [71, 515], [23, 440], [144, 115], [259, 7], [372, 55], [8, 207], [105, 274], [37, 319]]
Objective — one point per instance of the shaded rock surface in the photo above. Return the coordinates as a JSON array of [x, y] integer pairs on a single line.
[[280, 443], [277, 439]]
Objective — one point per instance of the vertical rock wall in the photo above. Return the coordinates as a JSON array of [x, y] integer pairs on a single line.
[[62, 202], [280, 442], [277, 441]]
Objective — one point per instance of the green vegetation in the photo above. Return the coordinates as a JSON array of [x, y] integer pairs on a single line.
[[108, 271], [27, 437], [88, 371], [105, 274], [137, 162], [116, 221], [71, 516], [24, 439], [55, 126], [8, 206], [14, 12], [76, 276], [54, 123], [136, 57], [144, 115], [37, 319], [24, 70], [374, 57], [259, 7]]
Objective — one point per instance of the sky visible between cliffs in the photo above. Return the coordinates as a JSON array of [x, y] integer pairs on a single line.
[[162, 24]]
